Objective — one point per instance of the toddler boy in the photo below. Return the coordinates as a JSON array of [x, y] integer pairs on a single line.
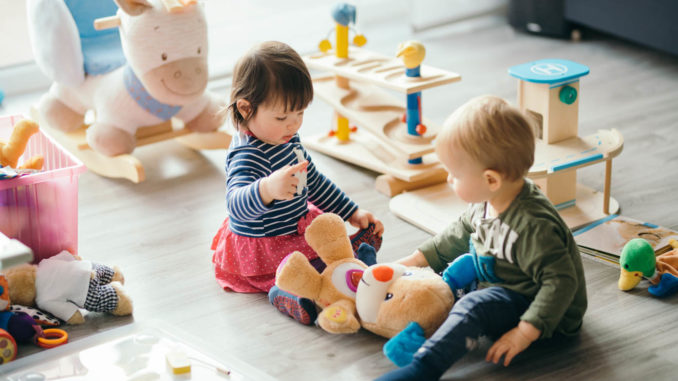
[[527, 263]]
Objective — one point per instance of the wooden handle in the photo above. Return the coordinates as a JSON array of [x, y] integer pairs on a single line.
[[107, 23]]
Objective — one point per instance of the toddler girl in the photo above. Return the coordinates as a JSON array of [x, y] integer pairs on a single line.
[[273, 190]]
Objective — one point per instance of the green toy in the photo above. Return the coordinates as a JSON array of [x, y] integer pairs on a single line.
[[638, 260]]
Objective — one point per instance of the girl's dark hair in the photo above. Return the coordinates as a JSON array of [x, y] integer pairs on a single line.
[[271, 72]]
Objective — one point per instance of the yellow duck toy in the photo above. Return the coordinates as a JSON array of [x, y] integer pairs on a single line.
[[638, 260], [11, 151]]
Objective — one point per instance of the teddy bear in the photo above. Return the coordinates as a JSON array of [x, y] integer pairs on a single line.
[[11, 151], [21, 326], [64, 283], [334, 289], [382, 298], [390, 296]]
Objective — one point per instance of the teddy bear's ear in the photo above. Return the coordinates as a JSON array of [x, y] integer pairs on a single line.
[[327, 236]]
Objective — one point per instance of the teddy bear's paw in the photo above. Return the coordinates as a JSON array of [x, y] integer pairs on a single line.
[[400, 349], [117, 275], [58, 115], [77, 318], [335, 319], [124, 301]]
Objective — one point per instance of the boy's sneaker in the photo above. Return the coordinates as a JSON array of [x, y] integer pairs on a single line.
[[298, 308], [367, 236]]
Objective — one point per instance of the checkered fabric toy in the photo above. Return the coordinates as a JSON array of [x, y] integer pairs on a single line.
[[63, 284]]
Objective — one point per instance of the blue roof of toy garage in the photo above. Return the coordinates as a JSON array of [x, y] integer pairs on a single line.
[[549, 71]]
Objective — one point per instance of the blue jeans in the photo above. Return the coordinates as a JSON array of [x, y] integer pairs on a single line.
[[491, 312]]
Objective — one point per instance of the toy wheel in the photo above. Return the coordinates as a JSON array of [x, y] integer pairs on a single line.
[[421, 129], [8, 348], [568, 95]]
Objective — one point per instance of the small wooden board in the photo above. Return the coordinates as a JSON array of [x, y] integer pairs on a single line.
[[574, 153], [434, 208], [383, 71]]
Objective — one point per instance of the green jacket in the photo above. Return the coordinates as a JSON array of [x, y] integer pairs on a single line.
[[533, 253]]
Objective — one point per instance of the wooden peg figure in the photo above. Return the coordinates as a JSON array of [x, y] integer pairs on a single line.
[[412, 53], [344, 15]]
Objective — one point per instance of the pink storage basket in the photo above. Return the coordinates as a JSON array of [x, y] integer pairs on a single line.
[[41, 209]]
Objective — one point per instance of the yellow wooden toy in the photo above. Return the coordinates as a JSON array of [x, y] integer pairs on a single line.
[[383, 142]]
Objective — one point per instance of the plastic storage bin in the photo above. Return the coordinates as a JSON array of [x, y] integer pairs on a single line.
[[41, 209]]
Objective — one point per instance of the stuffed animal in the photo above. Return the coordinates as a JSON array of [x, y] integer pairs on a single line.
[[19, 325], [391, 296], [382, 298], [165, 74], [334, 289], [638, 260], [64, 283], [460, 277], [11, 151]]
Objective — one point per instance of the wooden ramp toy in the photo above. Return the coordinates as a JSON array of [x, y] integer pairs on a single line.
[[548, 91], [127, 166], [392, 137], [382, 142]]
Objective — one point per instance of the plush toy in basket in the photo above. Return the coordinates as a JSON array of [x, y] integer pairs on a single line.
[[64, 283], [11, 150], [165, 74]]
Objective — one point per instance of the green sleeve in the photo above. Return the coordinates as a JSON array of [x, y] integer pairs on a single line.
[[449, 244], [545, 257]]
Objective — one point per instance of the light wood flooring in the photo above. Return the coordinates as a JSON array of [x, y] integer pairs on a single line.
[[159, 232]]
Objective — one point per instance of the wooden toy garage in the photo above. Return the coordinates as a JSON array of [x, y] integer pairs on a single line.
[[391, 137], [548, 90]]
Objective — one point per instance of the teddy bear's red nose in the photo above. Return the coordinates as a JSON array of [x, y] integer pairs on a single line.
[[382, 273]]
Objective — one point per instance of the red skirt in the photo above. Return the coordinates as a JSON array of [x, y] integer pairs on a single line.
[[248, 264]]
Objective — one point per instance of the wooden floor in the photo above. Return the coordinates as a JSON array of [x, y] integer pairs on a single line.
[[159, 232]]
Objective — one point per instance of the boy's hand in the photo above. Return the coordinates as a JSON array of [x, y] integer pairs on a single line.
[[361, 219], [512, 343], [281, 184], [416, 259]]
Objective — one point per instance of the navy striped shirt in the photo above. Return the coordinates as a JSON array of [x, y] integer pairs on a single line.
[[248, 161]]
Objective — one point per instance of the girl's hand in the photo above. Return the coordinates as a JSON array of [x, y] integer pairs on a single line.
[[361, 219], [281, 184]]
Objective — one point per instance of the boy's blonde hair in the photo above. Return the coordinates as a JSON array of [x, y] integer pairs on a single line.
[[494, 133]]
